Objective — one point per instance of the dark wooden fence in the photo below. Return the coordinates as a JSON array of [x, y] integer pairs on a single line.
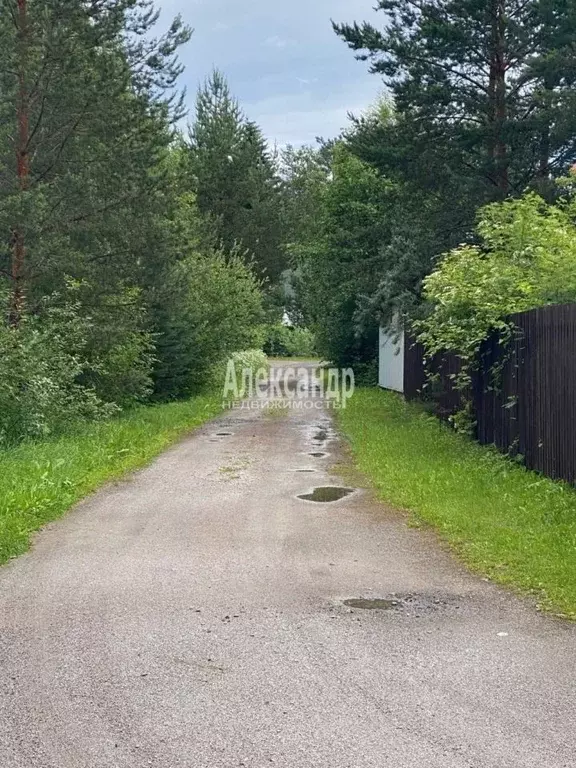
[[529, 408]]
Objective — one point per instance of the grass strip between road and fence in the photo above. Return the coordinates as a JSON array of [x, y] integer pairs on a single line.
[[39, 481], [513, 525]]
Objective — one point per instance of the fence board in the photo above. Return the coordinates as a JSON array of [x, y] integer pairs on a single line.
[[530, 409]]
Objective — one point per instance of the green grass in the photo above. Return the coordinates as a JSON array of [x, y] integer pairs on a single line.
[[515, 526], [295, 359], [39, 481]]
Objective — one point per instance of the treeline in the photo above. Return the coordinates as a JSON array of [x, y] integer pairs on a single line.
[[479, 109], [134, 256]]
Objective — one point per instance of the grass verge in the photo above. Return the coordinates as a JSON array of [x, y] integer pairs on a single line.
[[295, 359], [39, 481], [513, 525]]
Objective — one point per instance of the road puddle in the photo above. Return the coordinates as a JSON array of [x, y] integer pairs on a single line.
[[325, 494]]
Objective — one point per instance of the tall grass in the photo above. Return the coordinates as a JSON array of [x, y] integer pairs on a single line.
[[513, 525], [39, 481]]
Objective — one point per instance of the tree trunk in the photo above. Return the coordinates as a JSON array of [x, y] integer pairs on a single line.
[[544, 164], [544, 159], [498, 97], [22, 164]]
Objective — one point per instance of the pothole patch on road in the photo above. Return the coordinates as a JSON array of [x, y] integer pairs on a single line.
[[304, 470], [325, 494], [411, 604], [318, 454], [371, 604], [224, 434]]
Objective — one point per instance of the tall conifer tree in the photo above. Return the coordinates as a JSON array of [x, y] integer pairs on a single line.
[[489, 83], [235, 177]]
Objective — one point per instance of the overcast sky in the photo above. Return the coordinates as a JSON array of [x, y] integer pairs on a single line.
[[286, 66]]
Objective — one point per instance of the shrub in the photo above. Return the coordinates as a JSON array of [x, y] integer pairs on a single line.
[[526, 259], [41, 364], [288, 341], [253, 360], [120, 351]]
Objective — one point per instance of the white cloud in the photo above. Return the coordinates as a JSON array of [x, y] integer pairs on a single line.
[[291, 73], [300, 118]]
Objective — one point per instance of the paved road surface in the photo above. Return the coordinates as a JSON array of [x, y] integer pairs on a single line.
[[193, 617]]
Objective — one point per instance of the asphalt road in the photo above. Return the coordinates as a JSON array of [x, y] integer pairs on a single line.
[[194, 616]]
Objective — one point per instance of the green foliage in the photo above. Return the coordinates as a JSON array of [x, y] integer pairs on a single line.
[[305, 173], [340, 262], [235, 178], [364, 234], [289, 341], [526, 259], [212, 307], [252, 360], [100, 203], [94, 90], [40, 481], [120, 349], [485, 89], [430, 210], [481, 107], [510, 524], [41, 364]]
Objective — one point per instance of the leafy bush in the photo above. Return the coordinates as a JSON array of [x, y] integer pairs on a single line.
[[120, 352], [526, 259], [253, 360], [288, 341], [41, 364]]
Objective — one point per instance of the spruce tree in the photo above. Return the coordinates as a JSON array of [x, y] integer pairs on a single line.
[[234, 177]]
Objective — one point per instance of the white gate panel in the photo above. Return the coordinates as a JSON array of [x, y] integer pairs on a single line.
[[391, 361]]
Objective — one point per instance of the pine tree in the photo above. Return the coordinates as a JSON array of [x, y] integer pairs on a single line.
[[87, 98], [487, 83], [92, 97]]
